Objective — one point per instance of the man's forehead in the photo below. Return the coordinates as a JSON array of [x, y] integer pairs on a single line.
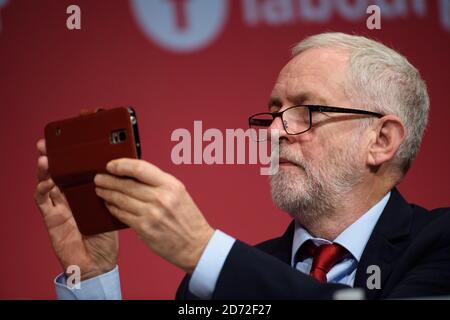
[[318, 62], [312, 74]]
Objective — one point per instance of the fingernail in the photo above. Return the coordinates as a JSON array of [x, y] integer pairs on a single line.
[[98, 178], [111, 166]]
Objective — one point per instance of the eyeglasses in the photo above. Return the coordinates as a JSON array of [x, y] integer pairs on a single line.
[[298, 119]]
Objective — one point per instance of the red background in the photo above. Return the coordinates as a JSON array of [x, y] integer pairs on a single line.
[[48, 72]]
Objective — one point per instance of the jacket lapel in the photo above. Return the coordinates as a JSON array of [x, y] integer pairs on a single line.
[[281, 248], [388, 240]]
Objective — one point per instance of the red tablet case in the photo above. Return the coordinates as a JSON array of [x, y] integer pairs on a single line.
[[79, 148]]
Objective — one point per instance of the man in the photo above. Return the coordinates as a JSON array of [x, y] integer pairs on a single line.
[[351, 115]]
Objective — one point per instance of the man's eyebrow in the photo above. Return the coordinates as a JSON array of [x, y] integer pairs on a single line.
[[307, 96], [298, 99], [274, 102]]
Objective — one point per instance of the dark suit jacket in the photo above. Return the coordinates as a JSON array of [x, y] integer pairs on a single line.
[[410, 244]]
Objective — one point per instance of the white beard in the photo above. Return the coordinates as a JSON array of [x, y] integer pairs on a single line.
[[309, 192]]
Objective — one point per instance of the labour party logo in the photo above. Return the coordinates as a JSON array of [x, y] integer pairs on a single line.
[[181, 25]]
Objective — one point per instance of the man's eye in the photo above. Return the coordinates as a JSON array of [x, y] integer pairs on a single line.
[[317, 116]]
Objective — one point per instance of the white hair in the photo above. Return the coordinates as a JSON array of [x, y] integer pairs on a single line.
[[381, 80]]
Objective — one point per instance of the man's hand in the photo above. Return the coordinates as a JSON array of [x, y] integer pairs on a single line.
[[94, 254], [158, 207]]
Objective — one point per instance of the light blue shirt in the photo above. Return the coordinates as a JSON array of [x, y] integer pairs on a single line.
[[103, 287], [204, 278], [354, 238]]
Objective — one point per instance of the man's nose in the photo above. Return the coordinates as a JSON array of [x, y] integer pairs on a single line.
[[277, 124]]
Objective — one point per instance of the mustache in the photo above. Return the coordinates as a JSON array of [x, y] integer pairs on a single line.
[[286, 154]]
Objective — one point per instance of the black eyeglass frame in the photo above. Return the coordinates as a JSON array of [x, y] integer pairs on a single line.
[[311, 109]]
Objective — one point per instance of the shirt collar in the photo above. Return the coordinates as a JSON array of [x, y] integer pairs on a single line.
[[354, 238]]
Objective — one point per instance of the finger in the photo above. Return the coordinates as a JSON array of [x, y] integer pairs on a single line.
[[41, 147], [58, 197], [122, 201], [138, 169], [124, 216], [42, 194], [43, 173], [129, 187]]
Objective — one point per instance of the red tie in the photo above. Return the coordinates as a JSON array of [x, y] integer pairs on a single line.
[[324, 258]]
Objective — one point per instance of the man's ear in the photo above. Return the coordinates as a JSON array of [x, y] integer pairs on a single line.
[[388, 135]]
